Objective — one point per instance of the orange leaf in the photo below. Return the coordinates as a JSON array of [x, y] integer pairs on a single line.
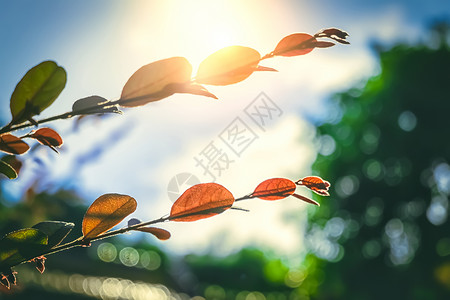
[[159, 233], [201, 201], [262, 68], [229, 65], [48, 137], [12, 144], [306, 199], [106, 212], [274, 189], [149, 82], [315, 184], [190, 88], [295, 44]]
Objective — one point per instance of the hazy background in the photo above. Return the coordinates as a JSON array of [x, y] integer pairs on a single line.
[[102, 43]]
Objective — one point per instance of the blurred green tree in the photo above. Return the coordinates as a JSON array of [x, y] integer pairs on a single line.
[[384, 233]]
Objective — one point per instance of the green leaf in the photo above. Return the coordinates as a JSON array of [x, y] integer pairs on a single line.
[[21, 245], [37, 90], [55, 230], [7, 170]]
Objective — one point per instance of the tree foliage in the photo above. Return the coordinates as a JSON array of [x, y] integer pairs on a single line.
[[387, 152]]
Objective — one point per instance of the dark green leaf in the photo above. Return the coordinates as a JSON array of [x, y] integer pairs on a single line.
[[55, 230], [7, 170], [90, 105], [21, 245], [37, 90]]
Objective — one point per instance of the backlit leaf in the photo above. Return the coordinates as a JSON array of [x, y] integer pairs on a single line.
[[37, 90], [90, 105], [7, 170], [228, 65], [295, 44], [262, 68], [315, 184], [159, 233], [274, 189], [21, 245], [149, 82], [48, 137], [190, 88], [56, 231], [12, 144], [201, 201], [106, 212], [13, 161], [321, 44], [306, 199]]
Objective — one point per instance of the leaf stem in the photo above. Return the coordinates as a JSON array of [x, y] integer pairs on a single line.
[[86, 242]]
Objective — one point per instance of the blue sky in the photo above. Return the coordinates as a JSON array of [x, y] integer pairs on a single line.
[[101, 43]]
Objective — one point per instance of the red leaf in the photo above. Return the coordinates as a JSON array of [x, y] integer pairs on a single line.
[[306, 199], [159, 233], [295, 44], [48, 137], [315, 184], [321, 44], [274, 189], [12, 144], [201, 201], [262, 68]]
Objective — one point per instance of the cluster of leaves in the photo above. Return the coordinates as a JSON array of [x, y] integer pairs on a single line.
[[42, 84], [198, 202]]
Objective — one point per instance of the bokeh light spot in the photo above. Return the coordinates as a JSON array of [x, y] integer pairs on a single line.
[[407, 120], [327, 145], [437, 211], [374, 212], [150, 260], [394, 228], [107, 252], [371, 249], [443, 247], [347, 186], [373, 169], [129, 256], [294, 278]]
